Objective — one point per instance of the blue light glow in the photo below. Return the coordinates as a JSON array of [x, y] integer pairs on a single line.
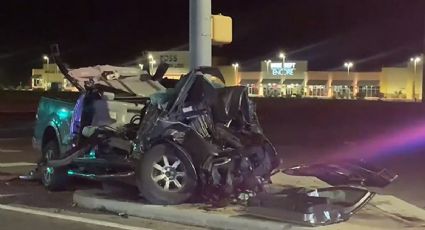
[[63, 114]]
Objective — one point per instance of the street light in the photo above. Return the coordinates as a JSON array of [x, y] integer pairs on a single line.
[[415, 61], [235, 66], [152, 62], [45, 57], [267, 64], [141, 66], [235, 69], [283, 56], [150, 56], [348, 65]]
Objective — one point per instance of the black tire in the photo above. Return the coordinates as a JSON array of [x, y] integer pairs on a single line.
[[155, 191], [53, 178]]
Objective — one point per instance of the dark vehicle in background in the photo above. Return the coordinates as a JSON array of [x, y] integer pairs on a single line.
[[198, 138]]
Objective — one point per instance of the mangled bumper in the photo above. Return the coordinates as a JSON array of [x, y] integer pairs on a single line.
[[347, 172], [310, 208]]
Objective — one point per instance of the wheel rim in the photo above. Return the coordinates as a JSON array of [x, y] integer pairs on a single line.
[[49, 154], [169, 173], [48, 171], [47, 174]]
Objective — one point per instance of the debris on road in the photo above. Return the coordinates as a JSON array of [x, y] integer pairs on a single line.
[[317, 207], [346, 172]]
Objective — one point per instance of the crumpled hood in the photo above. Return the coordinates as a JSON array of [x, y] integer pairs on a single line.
[[126, 79]]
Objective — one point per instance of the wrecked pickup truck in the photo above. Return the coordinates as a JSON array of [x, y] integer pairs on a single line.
[[199, 137]]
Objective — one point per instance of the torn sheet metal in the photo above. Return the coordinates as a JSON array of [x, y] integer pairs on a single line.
[[347, 172], [311, 208]]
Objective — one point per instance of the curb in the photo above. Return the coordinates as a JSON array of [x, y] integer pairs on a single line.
[[95, 199], [17, 111]]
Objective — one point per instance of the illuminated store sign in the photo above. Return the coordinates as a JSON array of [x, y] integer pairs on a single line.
[[287, 70]]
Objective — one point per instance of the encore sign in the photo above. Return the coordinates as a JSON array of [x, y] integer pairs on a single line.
[[287, 70]]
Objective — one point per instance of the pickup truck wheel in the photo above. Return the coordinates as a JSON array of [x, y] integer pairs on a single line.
[[52, 178], [166, 177]]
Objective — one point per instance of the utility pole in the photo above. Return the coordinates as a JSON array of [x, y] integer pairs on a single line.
[[423, 66], [200, 33]]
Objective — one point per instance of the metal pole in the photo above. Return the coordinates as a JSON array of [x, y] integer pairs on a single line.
[[414, 78], [423, 71], [200, 33], [414, 66]]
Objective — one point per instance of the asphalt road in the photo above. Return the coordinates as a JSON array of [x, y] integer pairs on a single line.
[[25, 218], [23, 221], [17, 155], [48, 210]]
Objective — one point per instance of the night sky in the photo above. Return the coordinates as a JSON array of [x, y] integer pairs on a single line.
[[373, 33]]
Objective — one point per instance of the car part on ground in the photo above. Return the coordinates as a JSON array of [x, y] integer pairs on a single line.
[[317, 207], [346, 172]]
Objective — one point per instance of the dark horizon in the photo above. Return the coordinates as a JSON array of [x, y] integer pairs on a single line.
[[326, 33]]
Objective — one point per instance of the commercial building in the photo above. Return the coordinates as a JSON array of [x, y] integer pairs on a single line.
[[279, 78], [292, 79], [178, 62], [49, 78]]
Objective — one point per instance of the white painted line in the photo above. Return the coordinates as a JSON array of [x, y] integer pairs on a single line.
[[10, 151], [70, 218], [11, 195], [12, 138], [16, 164]]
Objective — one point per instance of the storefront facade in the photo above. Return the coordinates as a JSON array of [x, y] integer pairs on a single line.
[[280, 79], [343, 85], [252, 81], [402, 83], [291, 79]]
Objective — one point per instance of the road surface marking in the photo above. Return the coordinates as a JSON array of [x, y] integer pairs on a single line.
[[10, 151], [12, 138], [11, 195], [70, 218], [16, 164]]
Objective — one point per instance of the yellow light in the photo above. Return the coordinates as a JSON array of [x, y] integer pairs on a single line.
[[221, 29]]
